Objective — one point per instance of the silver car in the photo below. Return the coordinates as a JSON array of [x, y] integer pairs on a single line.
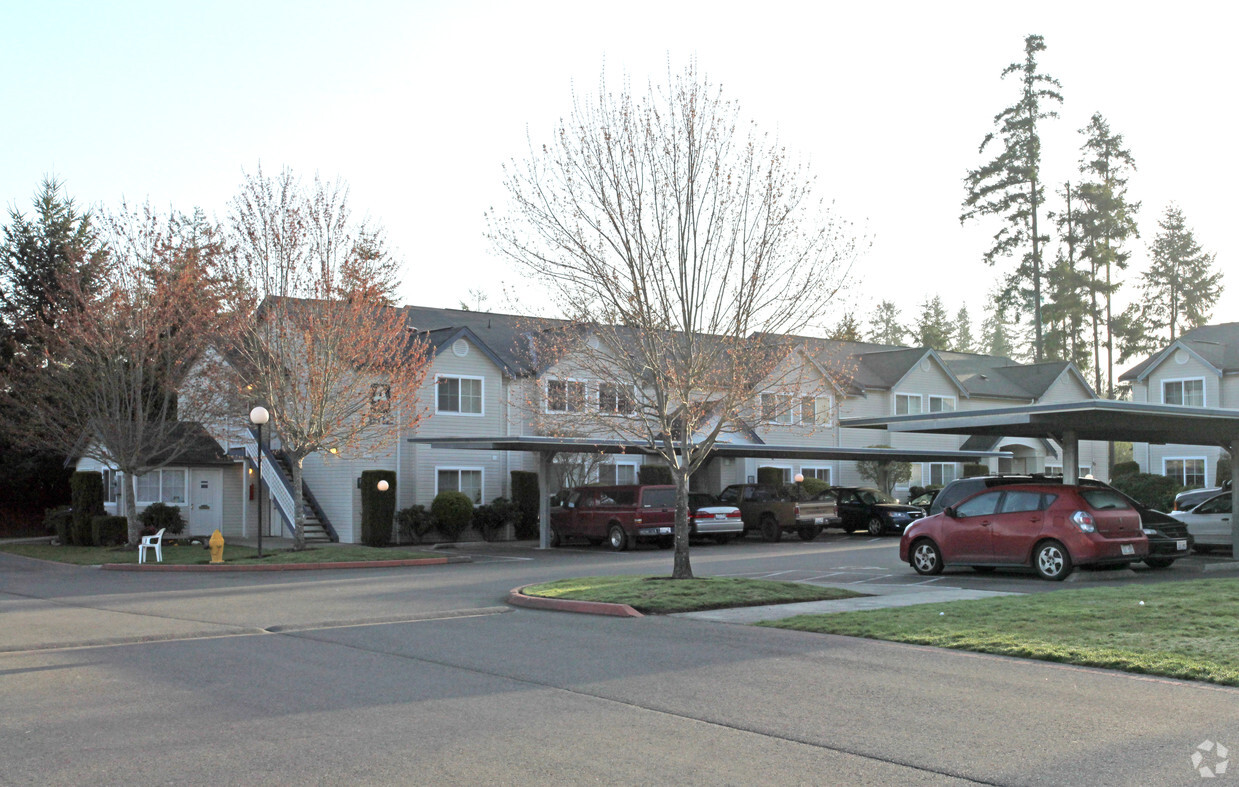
[[1209, 522]]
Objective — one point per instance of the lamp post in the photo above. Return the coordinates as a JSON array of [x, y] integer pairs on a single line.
[[258, 417]]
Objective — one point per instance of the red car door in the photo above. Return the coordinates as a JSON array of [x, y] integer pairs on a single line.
[[1017, 525], [966, 536]]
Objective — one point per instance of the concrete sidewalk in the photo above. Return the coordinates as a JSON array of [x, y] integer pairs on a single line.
[[882, 596]]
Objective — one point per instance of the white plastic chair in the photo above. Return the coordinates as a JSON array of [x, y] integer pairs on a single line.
[[154, 542]]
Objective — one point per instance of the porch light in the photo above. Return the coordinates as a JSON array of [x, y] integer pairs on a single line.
[[800, 478], [383, 485]]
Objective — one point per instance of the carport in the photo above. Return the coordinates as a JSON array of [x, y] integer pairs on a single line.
[[547, 447], [1094, 419]]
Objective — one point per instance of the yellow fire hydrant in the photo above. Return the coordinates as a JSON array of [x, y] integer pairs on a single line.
[[217, 547]]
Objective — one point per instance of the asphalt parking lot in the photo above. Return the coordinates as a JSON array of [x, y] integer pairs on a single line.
[[423, 675]]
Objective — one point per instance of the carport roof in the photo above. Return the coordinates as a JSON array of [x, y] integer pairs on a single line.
[[1094, 419], [729, 450]]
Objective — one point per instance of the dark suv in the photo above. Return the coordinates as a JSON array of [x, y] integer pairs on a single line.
[[1168, 537]]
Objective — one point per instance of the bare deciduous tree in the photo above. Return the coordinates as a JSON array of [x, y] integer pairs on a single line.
[[325, 353], [125, 364], [685, 251]]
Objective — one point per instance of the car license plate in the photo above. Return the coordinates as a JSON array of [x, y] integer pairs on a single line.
[[1127, 549], [664, 531], [720, 516], [1180, 545], [820, 520]]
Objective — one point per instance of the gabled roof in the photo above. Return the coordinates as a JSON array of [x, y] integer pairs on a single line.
[[1215, 345], [443, 338], [503, 337]]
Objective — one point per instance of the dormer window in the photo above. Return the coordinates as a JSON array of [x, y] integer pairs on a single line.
[[941, 404], [907, 404], [1189, 393]]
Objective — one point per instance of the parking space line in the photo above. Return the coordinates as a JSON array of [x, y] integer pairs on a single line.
[[870, 579], [822, 576]]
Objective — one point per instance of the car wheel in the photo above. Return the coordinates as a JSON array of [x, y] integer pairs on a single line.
[[1052, 561], [1159, 562], [556, 540], [808, 532], [983, 569], [875, 526], [770, 530], [617, 538], [723, 539], [926, 557]]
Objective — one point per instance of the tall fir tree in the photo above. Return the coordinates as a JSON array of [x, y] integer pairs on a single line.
[[1009, 186], [994, 333], [1107, 222], [38, 252], [961, 335], [1181, 285], [933, 325], [885, 327], [1066, 310], [848, 329]]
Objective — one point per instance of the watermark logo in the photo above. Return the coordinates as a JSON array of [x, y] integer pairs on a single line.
[[1211, 759]]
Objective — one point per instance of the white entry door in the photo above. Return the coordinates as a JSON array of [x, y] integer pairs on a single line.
[[206, 501]]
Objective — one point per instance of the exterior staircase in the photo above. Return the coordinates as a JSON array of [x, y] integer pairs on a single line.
[[278, 477], [317, 528]]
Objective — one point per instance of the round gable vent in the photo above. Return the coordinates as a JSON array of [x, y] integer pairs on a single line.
[[1180, 356], [460, 347], [924, 364]]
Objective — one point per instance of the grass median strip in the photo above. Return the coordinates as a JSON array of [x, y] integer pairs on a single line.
[[662, 595], [1182, 630], [191, 555]]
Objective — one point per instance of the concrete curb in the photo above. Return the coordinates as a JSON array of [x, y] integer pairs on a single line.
[[518, 599], [426, 561]]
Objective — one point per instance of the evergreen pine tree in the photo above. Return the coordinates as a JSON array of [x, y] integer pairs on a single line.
[[1009, 185], [962, 333], [1181, 285], [933, 326], [848, 329], [885, 328]]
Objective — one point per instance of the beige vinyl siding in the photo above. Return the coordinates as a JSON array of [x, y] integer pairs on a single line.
[[1170, 369], [233, 489], [1229, 392], [1067, 388]]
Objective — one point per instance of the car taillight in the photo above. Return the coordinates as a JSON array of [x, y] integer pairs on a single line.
[[636, 520], [1084, 521], [796, 511], [734, 514]]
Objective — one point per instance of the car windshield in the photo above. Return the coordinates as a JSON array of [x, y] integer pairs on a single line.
[[1104, 499], [701, 500], [871, 496]]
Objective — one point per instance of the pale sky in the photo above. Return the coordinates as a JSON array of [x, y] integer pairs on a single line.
[[417, 105]]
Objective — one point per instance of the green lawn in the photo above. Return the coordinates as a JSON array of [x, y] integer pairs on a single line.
[[660, 595], [1183, 629], [200, 555]]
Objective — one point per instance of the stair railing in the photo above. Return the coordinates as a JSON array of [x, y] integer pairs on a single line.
[[278, 487], [312, 502]]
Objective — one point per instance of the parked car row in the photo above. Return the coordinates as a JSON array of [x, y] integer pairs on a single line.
[[625, 515], [988, 522]]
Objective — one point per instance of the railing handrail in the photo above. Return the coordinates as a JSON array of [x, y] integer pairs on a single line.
[[281, 490], [312, 501]]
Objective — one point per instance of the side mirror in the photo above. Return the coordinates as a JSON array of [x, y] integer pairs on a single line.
[[951, 512]]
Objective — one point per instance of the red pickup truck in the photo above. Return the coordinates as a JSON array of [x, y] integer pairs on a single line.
[[619, 515]]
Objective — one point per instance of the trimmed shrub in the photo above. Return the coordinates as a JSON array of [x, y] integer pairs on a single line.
[[414, 523], [1154, 491], [1125, 468], [86, 489], [490, 519], [378, 509], [525, 498], [452, 512], [1223, 471], [654, 474], [973, 470], [814, 487], [59, 521], [161, 516], [769, 475], [109, 531]]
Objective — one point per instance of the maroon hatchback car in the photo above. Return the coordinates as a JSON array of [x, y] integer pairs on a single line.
[[1051, 527]]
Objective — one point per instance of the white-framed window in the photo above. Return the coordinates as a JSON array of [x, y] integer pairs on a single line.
[[565, 396], [459, 395], [776, 408], [1189, 392], [614, 473], [941, 404], [820, 473], [111, 485], [615, 398], [169, 485], [1190, 471], [939, 473], [814, 410], [907, 404], [460, 479]]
